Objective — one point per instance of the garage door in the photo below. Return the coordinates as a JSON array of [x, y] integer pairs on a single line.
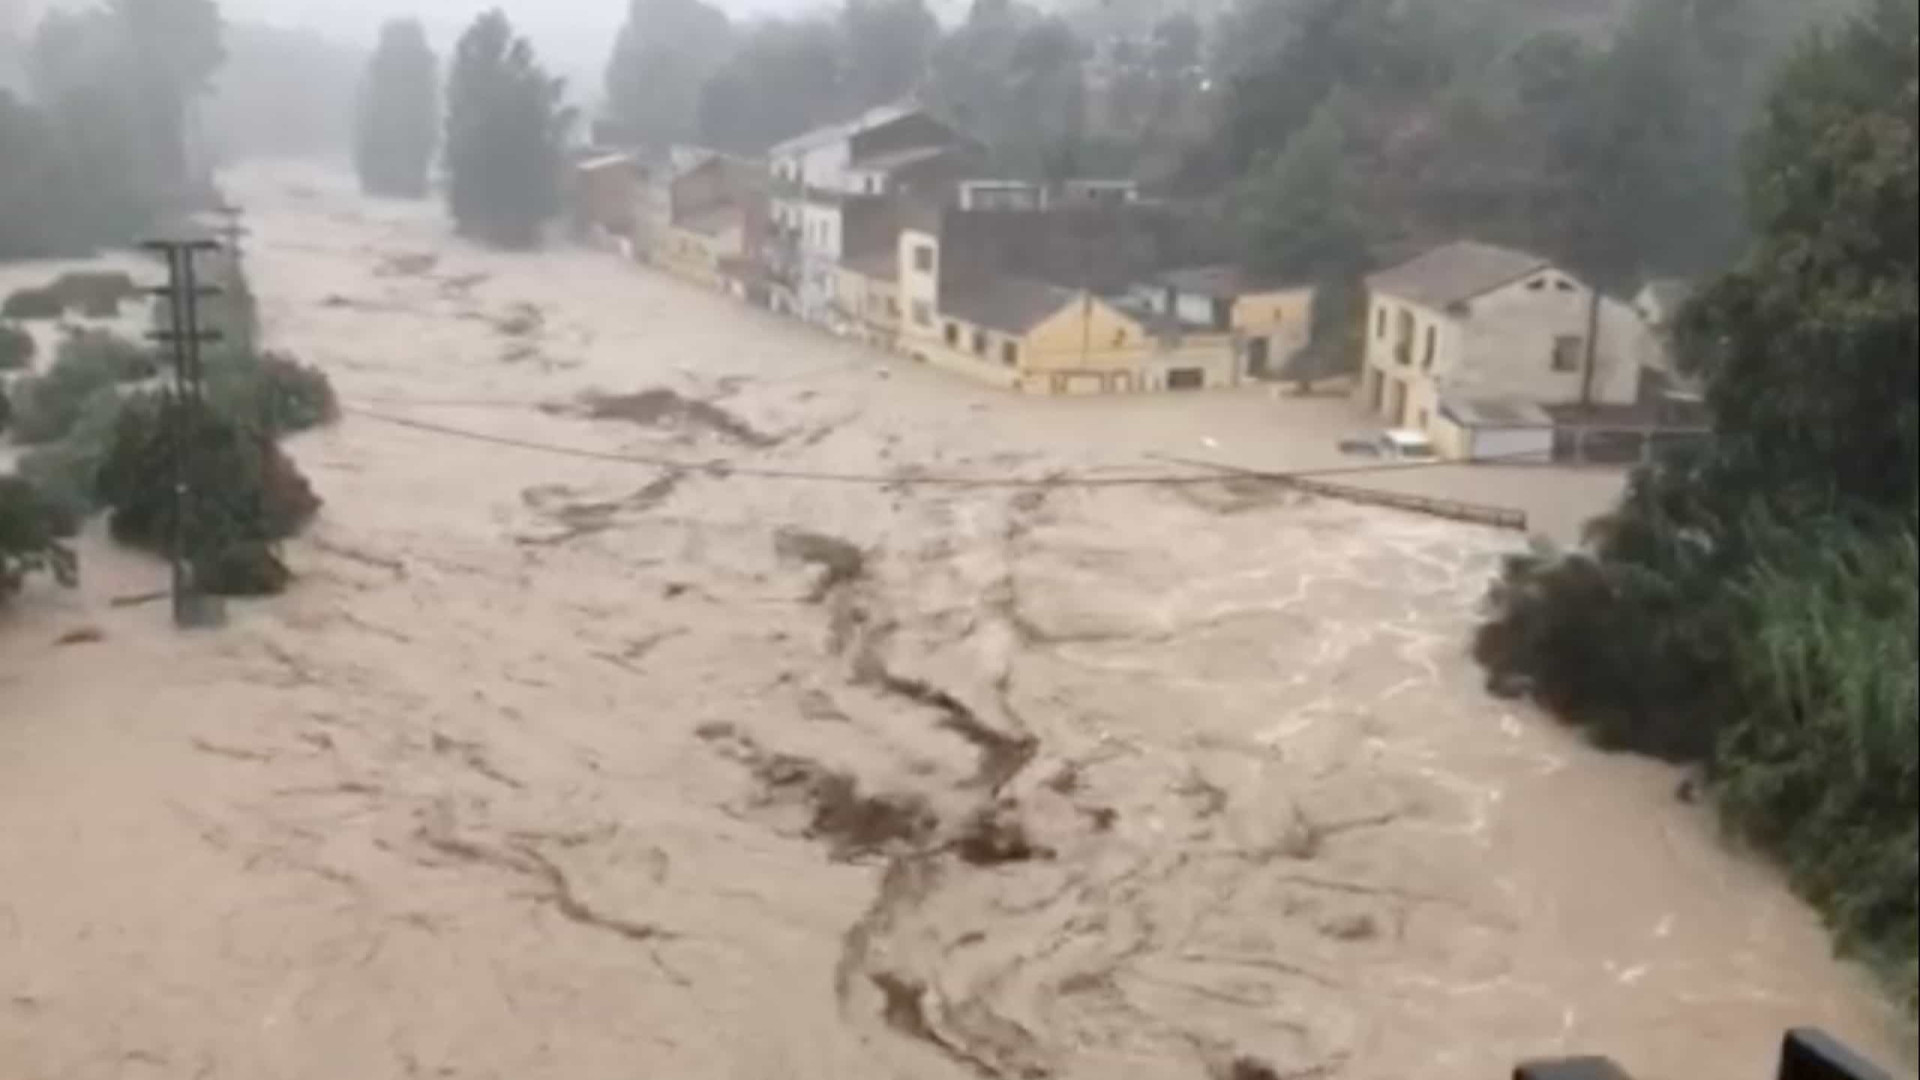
[[1513, 444]]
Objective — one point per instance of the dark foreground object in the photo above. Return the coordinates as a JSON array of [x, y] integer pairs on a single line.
[[1805, 1055]]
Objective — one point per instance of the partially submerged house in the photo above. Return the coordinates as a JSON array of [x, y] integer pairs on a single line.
[[1469, 335], [717, 219]]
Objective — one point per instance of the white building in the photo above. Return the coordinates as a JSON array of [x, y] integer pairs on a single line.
[[883, 153], [1484, 327]]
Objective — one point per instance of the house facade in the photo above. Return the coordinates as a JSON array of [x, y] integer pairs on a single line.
[[1028, 335], [1268, 321], [716, 222], [887, 153], [1472, 321]]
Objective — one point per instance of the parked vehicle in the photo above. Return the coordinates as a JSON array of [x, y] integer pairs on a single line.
[[1395, 445]]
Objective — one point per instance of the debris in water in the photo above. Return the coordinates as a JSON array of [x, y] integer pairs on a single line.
[[406, 264], [658, 406], [995, 834], [839, 561]]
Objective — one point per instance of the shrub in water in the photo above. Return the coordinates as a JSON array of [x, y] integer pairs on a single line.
[[244, 494], [16, 348], [29, 542], [97, 294], [273, 392], [45, 407], [32, 304]]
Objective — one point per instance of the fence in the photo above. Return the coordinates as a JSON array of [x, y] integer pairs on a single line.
[[1618, 445]]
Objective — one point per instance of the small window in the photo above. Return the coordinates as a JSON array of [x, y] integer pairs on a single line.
[[1432, 343], [1536, 284], [893, 307], [873, 185], [980, 343], [953, 334], [923, 258], [1380, 323], [1009, 353], [1567, 350], [1120, 337], [1563, 285], [923, 313], [1422, 425]]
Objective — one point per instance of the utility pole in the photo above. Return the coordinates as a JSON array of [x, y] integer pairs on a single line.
[[185, 400]]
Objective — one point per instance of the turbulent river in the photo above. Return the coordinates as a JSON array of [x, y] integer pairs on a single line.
[[579, 766]]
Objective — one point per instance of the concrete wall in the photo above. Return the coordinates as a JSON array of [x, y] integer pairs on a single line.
[[1283, 316], [1509, 346], [1500, 345], [919, 288]]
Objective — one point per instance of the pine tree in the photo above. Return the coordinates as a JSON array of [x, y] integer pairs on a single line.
[[505, 130], [398, 124]]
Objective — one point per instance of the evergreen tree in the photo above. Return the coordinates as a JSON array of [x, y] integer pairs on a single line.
[[661, 61], [505, 129], [1299, 223], [399, 106]]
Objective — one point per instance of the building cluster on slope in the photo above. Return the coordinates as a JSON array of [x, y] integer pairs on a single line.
[[889, 228]]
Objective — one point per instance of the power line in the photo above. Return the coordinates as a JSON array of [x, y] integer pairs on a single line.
[[728, 468]]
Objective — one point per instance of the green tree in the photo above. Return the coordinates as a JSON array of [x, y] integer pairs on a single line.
[[666, 52], [1299, 222], [782, 79], [399, 122], [505, 131], [1751, 602], [888, 43]]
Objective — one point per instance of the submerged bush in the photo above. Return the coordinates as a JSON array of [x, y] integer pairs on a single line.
[[32, 303], [64, 471], [16, 348], [45, 407], [29, 540], [273, 392], [95, 293], [243, 494]]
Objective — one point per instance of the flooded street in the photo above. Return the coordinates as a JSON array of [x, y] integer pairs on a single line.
[[655, 753]]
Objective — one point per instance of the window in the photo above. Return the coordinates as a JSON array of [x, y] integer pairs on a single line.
[[1536, 284], [923, 258], [953, 334], [1432, 342], [893, 307], [980, 343], [1567, 350], [923, 313], [1380, 323], [873, 185], [1120, 336], [1191, 378], [1009, 353], [1563, 285]]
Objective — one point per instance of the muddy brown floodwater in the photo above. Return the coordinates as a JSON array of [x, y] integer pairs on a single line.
[[572, 767]]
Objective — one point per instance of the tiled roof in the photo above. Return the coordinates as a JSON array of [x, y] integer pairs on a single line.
[[1010, 305], [1455, 273]]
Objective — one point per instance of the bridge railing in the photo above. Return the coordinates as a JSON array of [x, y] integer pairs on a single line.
[[1805, 1054]]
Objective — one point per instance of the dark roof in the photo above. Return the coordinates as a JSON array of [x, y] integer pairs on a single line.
[[1220, 282], [1010, 305], [879, 265], [894, 160], [1455, 273]]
